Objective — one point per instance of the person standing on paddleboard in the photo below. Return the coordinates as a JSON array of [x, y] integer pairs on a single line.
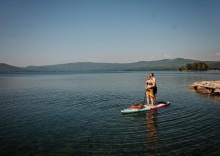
[[151, 88], [154, 86], [149, 92]]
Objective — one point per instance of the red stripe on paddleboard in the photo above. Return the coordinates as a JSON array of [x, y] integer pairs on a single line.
[[159, 106]]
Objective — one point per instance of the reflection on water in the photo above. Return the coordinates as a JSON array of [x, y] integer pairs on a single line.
[[152, 139]]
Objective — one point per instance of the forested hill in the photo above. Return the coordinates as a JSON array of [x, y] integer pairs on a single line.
[[5, 68], [166, 64]]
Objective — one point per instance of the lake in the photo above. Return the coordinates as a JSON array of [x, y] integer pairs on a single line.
[[79, 114]]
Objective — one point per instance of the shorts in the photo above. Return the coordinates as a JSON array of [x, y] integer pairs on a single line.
[[154, 90], [150, 92]]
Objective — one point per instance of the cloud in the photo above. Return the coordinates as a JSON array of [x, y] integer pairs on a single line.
[[167, 56], [217, 54]]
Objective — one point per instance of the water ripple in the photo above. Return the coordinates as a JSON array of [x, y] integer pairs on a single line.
[[79, 114]]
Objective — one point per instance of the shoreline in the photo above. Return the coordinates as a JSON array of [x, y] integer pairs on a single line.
[[206, 87]]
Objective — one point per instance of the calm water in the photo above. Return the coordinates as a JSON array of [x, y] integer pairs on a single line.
[[79, 114]]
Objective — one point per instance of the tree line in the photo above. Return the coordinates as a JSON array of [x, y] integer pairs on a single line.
[[196, 66]]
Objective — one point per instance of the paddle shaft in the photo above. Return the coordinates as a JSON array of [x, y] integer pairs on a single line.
[[144, 97]]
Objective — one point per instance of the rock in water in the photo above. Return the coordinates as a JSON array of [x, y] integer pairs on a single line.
[[206, 87]]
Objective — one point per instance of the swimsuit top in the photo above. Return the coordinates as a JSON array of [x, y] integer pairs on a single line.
[[149, 83]]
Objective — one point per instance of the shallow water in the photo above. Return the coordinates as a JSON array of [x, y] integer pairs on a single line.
[[79, 114]]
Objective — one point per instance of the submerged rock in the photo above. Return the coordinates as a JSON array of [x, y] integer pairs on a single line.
[[206, 87]]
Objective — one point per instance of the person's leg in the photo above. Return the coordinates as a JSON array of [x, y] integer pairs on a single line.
[[155, 98], [152, 97], [155, 94], [147, 96], [152, 101]]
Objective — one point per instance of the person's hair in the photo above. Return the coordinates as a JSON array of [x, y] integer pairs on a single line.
[[152, 74]]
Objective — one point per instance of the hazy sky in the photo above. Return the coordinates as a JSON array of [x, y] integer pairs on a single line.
[[45, 32]]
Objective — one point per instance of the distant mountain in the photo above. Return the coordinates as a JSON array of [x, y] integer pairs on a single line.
[[5, 68], [165, 64]]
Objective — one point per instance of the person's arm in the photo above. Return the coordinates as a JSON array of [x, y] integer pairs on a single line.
[[154, 82], [146, 85]]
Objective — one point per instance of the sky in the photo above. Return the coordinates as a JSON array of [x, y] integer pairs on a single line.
[[47, 32]]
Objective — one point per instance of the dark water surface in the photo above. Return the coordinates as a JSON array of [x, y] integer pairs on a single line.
[[79, 114]]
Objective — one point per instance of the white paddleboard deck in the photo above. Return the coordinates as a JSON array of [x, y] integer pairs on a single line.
[[146, 108]]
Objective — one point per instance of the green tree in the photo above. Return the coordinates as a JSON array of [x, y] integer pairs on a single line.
[[189, 66], [182, 68], [205, 67], [196, 66]]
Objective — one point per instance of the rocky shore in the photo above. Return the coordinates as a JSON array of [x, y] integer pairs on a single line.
[[206, 87]]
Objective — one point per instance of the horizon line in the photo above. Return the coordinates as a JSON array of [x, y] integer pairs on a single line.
[[104, 62]]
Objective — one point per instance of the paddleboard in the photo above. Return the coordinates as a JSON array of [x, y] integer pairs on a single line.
[[146, 108]]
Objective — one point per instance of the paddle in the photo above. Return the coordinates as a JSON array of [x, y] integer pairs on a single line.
[[144, 97]]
